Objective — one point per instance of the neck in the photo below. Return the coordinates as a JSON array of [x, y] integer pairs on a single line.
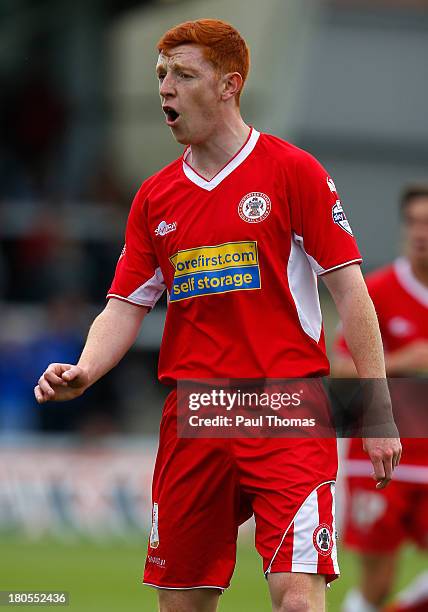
[[210, 156], [420, 272]]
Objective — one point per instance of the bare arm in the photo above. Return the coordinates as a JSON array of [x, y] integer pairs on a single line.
[[359, 320], [111, 335], [362, 335]]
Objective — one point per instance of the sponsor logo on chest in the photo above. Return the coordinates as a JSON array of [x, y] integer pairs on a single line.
[[232, 266]]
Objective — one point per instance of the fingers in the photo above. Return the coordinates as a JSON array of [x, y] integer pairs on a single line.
[[382, 484], [69, 375], [384, 465], [385, 455], [45, 390], [379, 471], [385, 473], [50, 381], [397, 458], [39, 395], [53, 378], [387, 464]]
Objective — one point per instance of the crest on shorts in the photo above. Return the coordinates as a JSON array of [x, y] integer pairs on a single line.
[[323, 539], [254, 207], [339, 217], [154, 533]]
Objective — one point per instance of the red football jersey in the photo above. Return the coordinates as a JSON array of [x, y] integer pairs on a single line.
[[239, 256], [401, 304]]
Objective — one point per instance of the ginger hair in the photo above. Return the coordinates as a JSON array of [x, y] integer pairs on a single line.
[[222, 45]]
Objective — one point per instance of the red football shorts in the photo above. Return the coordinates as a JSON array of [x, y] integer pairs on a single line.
[[381, 521], [203, 489]]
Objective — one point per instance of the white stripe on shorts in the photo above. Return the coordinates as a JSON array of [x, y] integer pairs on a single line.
[[333, 510], [305, 523], [309, 535]]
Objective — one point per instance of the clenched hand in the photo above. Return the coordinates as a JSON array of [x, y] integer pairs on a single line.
[[61, 382]]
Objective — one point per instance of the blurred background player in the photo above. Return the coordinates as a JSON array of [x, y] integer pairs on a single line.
[[380, 522]]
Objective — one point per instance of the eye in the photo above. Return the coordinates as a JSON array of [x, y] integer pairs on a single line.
[[184, 75], [161, 76]]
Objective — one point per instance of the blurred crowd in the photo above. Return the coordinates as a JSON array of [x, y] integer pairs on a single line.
[[59, 244]]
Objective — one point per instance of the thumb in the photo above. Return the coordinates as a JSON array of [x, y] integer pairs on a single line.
[[71, 374]]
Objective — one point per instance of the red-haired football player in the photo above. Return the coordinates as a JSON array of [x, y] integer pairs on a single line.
[[237, 230]]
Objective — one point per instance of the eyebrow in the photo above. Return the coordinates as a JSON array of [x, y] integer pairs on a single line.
[[175, 66]]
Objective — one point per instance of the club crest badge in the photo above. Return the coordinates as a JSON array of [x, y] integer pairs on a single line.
[[323, 539], [254, 207], [339, 217]]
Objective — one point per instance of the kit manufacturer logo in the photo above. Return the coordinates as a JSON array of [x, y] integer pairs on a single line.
[[165, 228]]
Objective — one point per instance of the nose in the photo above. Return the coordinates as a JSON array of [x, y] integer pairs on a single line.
[[166, 86]]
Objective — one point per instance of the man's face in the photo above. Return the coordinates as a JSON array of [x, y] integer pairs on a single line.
[[190, 92], [416, 230]]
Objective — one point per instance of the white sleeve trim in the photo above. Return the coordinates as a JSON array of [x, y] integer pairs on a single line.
[[342, 265], [124, 299], [148, 293]]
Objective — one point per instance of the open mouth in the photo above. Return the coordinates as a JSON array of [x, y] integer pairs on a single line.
[[171, 115]]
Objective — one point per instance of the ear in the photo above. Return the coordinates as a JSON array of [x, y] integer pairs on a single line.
[[231, 85]]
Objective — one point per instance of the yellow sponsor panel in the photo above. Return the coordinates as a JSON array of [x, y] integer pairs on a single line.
[[212, 258]]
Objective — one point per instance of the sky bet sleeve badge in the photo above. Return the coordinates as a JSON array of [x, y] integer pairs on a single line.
[[339, 217]]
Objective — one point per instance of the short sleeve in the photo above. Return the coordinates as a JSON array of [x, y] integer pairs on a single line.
[[138, 278], [319, 223]]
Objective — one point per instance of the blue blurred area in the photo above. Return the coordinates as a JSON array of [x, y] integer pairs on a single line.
[[16, 384], [21, 363]]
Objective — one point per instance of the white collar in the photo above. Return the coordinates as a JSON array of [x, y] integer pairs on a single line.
[[409, 282], [231, 165]]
